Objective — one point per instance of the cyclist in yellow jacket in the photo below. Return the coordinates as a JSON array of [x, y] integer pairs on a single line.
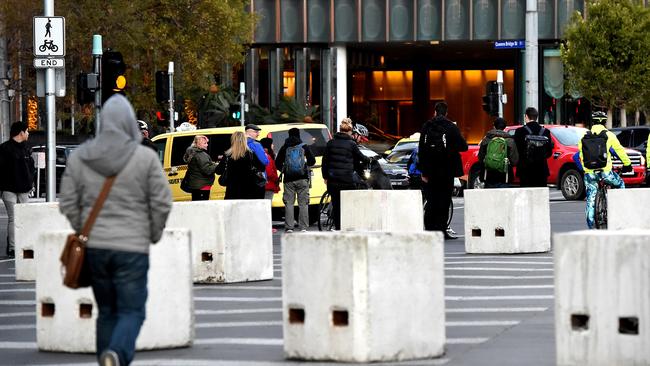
[[593, 175]]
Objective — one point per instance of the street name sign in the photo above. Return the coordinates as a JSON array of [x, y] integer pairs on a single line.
[[43, 63], [500, 45], [49, 36]]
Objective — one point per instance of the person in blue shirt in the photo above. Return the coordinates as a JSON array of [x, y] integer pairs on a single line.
[[252, 132]]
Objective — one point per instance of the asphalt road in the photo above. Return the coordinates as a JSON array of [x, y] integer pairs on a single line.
[[499, 311]]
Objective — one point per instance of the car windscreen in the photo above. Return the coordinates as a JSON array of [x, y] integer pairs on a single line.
[[371, 154], [568, 136], [315, 138]]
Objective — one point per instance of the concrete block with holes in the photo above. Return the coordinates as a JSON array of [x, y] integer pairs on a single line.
[[232, 241], [508, 220], [383, 210], [602, 297], [363, 296], [65, 318], [628, 208], [31, 220]]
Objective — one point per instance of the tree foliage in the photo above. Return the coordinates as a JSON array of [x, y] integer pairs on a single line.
[[199, 36], [606, 53]]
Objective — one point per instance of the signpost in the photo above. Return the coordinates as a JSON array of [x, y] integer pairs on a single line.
[[49, 50], [504, 45]]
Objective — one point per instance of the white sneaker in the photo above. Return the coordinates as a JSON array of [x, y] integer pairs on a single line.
[[288, 231], [303, 231]]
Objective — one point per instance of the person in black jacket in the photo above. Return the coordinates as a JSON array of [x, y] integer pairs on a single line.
[[17, 177], [296, 181], [439, 161], [532, 173], [341, 161]]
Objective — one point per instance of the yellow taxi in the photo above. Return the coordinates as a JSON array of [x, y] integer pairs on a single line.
[[171, 148]]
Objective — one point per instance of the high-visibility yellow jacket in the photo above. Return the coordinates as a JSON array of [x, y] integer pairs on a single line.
[[647, 152], [612, 142]]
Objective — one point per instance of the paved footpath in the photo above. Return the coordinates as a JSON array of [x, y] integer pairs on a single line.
[[499, 312]]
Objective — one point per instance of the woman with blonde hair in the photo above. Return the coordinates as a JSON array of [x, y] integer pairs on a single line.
[[200, 169], [341, 161], [241, 168]]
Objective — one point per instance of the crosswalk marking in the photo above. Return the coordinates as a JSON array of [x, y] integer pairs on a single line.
[[492, 298], [17, 302], [17, 326], [241, 299], [498, 262], [237, 311], [480, 256], [496, 310], [479, 277], [497, 287], [482, 323], [18, 290], [498, 269], [225, 288], [14, 315]]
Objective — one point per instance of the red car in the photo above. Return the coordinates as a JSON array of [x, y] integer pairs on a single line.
[[564, 173]]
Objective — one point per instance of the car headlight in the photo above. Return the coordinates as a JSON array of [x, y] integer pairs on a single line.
[[642, 161]]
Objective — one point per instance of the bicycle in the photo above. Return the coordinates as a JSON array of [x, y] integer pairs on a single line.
[[48, 45], [325, 219], [600, 203]]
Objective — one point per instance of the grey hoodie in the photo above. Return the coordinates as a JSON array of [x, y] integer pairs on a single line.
[[136, 210]]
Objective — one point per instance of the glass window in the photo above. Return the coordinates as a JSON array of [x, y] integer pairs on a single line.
[[568, 136], [624, 137], [640, 136], [160, 144], [315, 138], [179, 145], [217, 145]]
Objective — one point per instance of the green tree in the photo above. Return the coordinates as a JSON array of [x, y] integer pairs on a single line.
[[199, 36], [606, 53]]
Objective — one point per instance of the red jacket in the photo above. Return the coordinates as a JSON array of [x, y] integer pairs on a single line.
[[273, 181]]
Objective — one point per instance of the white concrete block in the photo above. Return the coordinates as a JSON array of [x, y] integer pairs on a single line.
[[231, 240], [31, 220], [628, 208], [382, 210], [508, 220], [602, 297], [65, 318], [361, 297]]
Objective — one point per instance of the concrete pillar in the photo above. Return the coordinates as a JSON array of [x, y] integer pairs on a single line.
[[340, 71], [626, 209], [343, 296], [602, 308], [65, 318], [405, 206], [276, 84], [532, 58], [508, 220]]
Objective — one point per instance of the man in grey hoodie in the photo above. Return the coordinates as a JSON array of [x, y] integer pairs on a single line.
[[133, 216]]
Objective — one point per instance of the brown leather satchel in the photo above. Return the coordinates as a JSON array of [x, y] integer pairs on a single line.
[[73, 265]]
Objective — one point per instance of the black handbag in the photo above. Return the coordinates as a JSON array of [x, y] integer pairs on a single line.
[[185, 184], [223, 178]]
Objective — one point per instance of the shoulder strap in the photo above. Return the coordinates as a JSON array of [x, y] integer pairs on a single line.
[[528, 129], [541, 131], [90, 221]]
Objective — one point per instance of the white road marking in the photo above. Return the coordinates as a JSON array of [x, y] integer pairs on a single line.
[[18, 290], [237, 311], [466, 340], [497, 262], [7, 260], [498, 269], [491, 298], [18, 345], [17, 302], [477, 323], [238, 299], [11, 315], [17, 326], [499, 287], [18, 283], [496, 310], [242, 341], [498, 277], [7, 275], [478, 256], [482, 323], [273, 323], [226, 288]]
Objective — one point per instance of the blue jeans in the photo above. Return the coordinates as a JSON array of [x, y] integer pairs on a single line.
[[591, 184], [119, 282]]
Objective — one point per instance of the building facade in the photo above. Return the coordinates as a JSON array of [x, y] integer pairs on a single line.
[[387, 62]]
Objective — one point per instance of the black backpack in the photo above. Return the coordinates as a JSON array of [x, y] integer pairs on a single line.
[[536, 146], [435, 139], [594, 150]]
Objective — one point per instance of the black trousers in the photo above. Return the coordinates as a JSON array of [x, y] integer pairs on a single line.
[[437, 191], [200, 195], [334, 190]]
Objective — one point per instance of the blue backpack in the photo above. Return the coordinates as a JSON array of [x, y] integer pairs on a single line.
[[295, 163]]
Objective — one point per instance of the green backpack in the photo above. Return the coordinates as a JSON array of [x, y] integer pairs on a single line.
[[496, 157]]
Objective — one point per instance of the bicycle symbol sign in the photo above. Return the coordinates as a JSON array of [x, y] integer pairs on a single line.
[[49, 36]]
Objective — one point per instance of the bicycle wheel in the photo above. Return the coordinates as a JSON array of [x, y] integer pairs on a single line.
[[54, 48], [325, 219], [41, 48], [600, 209]]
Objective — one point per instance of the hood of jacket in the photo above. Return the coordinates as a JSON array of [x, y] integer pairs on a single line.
[[292, 141], [497, 133], [190, 152], [116, 140]]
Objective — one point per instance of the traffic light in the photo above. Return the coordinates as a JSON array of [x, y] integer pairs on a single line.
[[491, 98], [235, 111], [85, 94], [162, 86], [113, 70]]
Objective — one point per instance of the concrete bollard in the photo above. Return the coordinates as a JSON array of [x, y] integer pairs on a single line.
[[509, 220], [383, 210], [65, 318], [232, 241], [31, 220], [602, 302], [628, 208], [363, 297]]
